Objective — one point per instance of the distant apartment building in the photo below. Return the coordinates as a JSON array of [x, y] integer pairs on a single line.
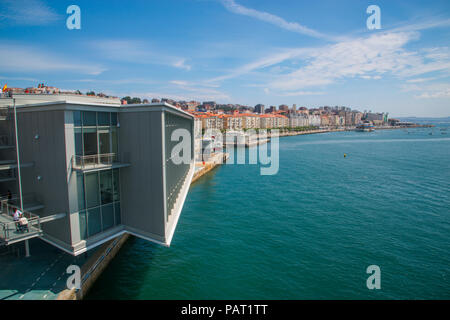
[[192, 105], [325, 120], [232, 122], [356, 117], [267, 121], [283, 107], [271, 109], [314, 120], [89, 169], [260, 108], [197, 137], [251, 121], [374, 116], [300, 120], [334, 120], [212, 121], [209, 105]]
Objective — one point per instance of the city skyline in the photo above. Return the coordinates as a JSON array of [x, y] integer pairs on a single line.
[[245, 52]]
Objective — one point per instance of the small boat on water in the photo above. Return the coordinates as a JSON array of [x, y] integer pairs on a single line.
[[366, 126]]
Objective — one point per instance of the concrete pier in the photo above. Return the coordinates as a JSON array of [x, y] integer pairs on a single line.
[[201, 169]]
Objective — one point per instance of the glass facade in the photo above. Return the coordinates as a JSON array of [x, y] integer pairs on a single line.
[[95, 134], [98, 201]]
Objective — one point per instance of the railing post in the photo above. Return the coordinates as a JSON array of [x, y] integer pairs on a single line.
[[27, 249]]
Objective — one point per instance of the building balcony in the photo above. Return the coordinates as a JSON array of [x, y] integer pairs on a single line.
[[10, 232], [96, 162]]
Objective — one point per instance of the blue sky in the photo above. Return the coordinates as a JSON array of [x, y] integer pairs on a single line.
[[310, 53]]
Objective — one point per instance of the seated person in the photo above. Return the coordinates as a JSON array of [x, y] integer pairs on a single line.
[[23, 223]]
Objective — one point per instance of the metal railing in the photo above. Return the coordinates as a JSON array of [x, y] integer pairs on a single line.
[[95, 160], [10, 230]]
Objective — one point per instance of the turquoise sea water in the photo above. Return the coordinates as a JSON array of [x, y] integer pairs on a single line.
[[310, 231]]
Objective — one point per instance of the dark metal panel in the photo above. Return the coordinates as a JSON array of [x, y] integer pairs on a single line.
[[48, 154]]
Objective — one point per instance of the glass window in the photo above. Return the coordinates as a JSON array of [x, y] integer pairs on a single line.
[[116, 192], [78, 142], [77, 118], [106, 186], [114, 146], [89, 118], [94, 221], [103, 141], [114, 119], [92, 197], [117, 213], [90, 141], [103, 118], [83, 224], [108, 216], [80, 191]]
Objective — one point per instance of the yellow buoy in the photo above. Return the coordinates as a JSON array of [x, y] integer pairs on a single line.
[[345, 155]]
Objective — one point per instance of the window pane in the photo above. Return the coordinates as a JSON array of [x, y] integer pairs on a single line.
[[90, 141], [103, 118], [80, 192], [77, 118], [114, 119], [114, 147], [116, 193], [117, 213], [78, 142], [106, 186], [92, 197], [94, 222], [83, 224], [108, 216], [89, 118], [103, 141]]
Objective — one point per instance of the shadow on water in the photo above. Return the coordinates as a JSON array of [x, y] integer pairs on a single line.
[[137, 250]]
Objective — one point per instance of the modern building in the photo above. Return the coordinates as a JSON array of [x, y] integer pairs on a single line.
[[89, 169]]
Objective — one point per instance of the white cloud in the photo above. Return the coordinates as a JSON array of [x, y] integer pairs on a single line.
[[431, 23], [181, 64], [435, 94], [20, 58], [373, 57], [234, 7], [420, 80], [428, 91], [179, 82], [268, 61], [27, 12]]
